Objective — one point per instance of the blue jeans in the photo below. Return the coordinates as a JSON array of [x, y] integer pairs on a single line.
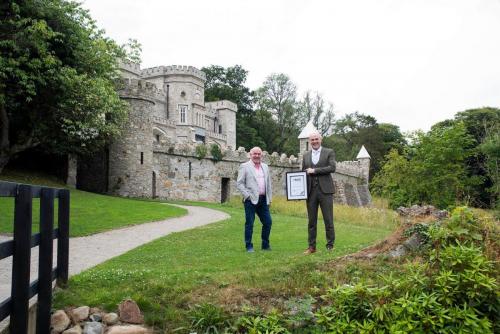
[[262, 210]]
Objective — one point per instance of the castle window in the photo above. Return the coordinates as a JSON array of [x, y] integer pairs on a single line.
[[157, 138], [220, 128], [183, 112], [142, 158]]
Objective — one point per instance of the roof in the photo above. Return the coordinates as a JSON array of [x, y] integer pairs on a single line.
[[307, 130], [363, 153]]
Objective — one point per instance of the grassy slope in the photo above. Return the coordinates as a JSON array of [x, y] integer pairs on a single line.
[[89, 213], [208, 264]]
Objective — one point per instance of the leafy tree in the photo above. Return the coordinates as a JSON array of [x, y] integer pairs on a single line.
[[57, 72], [315, 108], [278, 96], [229, 84], [431, 170], [354, 130]]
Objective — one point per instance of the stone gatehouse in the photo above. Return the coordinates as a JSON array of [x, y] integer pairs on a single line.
[[165, 147]]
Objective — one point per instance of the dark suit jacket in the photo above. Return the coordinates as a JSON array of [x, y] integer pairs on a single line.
[[322, 170]]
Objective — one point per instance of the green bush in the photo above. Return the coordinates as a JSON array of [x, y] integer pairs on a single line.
[[216, 152], [208, 318], [201, 151]]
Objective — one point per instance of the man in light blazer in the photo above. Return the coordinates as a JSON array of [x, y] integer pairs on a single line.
[[254, 183], [319, 163]]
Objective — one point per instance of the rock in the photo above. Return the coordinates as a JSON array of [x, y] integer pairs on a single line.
[[59, 321], [94, 310], [398, 252], [440, 214], [73, 330], [93, 328], [130, 312], [96, 317], [80, 313], [110, 318], [131, 329], [413, 243]]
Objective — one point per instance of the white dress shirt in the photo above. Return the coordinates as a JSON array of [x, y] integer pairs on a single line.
[[315, 155]]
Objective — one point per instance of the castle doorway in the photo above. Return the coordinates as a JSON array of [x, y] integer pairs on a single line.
[[224, 187], [153, 186]]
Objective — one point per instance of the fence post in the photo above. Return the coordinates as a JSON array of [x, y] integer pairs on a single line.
[[63, 239], [21, 260], [45, 261]]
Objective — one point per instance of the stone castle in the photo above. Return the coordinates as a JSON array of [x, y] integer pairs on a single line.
[[166, 146]]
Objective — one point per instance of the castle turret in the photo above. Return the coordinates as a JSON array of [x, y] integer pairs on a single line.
[[304, 137], [364, 160], [131, 155], [225, 123]]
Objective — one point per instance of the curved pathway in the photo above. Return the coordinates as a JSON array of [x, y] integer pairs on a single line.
[[87, 252]]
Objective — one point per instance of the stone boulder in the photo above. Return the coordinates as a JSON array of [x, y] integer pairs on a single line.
[[59, 321], [80, 313], [129, 312], [130, 329]]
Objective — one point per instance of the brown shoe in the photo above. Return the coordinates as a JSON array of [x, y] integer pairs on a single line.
[[310, 250]]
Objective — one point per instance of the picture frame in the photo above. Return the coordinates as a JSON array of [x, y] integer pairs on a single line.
[[296, 186]]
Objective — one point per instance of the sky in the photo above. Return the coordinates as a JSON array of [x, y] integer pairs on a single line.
[[411, 63]]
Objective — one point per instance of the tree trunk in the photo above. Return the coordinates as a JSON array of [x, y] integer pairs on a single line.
[[4, 159]]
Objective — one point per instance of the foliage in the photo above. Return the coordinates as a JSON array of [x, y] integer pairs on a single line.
[[456, 291], [229, 84], [216, 152], [313, 107], [208, 318], [272, 323], [482, 125], [277, 96], [431, 170], [201, 151], [354, 130], [57, 73]]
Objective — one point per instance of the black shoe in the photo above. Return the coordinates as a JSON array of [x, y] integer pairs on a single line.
[[329, 248]]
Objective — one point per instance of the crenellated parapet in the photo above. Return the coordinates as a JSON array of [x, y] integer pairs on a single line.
[[139, 89], [350, 168], [130, 69], [223, 104], [173, 70]]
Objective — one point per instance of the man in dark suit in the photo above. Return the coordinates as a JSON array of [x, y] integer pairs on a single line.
[[319, 164]]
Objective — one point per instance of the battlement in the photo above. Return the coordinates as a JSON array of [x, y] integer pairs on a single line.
[[174, 70], [351, 168], [140, 88], [130, 68], [223, 104]]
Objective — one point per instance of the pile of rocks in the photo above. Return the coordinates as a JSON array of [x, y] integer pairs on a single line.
[[86, 320], [422, 211]]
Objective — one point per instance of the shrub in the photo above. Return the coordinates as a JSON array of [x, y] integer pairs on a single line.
[[216, 152], [201, 151], [208, 318]]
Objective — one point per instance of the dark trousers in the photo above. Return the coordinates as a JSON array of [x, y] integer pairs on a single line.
[[317, 198], [262, 210]]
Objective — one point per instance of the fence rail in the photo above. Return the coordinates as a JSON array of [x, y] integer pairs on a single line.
[[20, 249]]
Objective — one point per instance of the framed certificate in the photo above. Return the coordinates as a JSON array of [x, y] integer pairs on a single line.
[[296, 185]]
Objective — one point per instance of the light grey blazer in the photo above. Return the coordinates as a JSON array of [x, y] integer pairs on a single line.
[[247, 182]]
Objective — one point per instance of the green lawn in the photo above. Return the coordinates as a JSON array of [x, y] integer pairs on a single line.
[[92, 213], [209, 264]]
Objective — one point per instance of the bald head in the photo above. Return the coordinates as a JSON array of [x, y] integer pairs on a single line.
[[315, 140]]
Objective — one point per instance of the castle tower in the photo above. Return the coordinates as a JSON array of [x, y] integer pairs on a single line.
[[304, 137], [364, 160], [131, 155], [225, 120]]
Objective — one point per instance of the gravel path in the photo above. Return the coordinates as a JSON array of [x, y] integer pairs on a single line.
[[86, 252]]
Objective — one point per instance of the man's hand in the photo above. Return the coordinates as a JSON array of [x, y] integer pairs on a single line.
[[310, 171]]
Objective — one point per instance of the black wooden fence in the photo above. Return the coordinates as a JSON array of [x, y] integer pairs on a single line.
[[20, 249]]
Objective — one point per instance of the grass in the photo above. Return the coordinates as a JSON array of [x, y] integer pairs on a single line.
[[167, 277], [89, 213]]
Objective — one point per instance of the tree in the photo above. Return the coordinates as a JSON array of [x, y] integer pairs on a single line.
[[229, 84], [57, 74], [278, 97], [315, 108], [431, 170]]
